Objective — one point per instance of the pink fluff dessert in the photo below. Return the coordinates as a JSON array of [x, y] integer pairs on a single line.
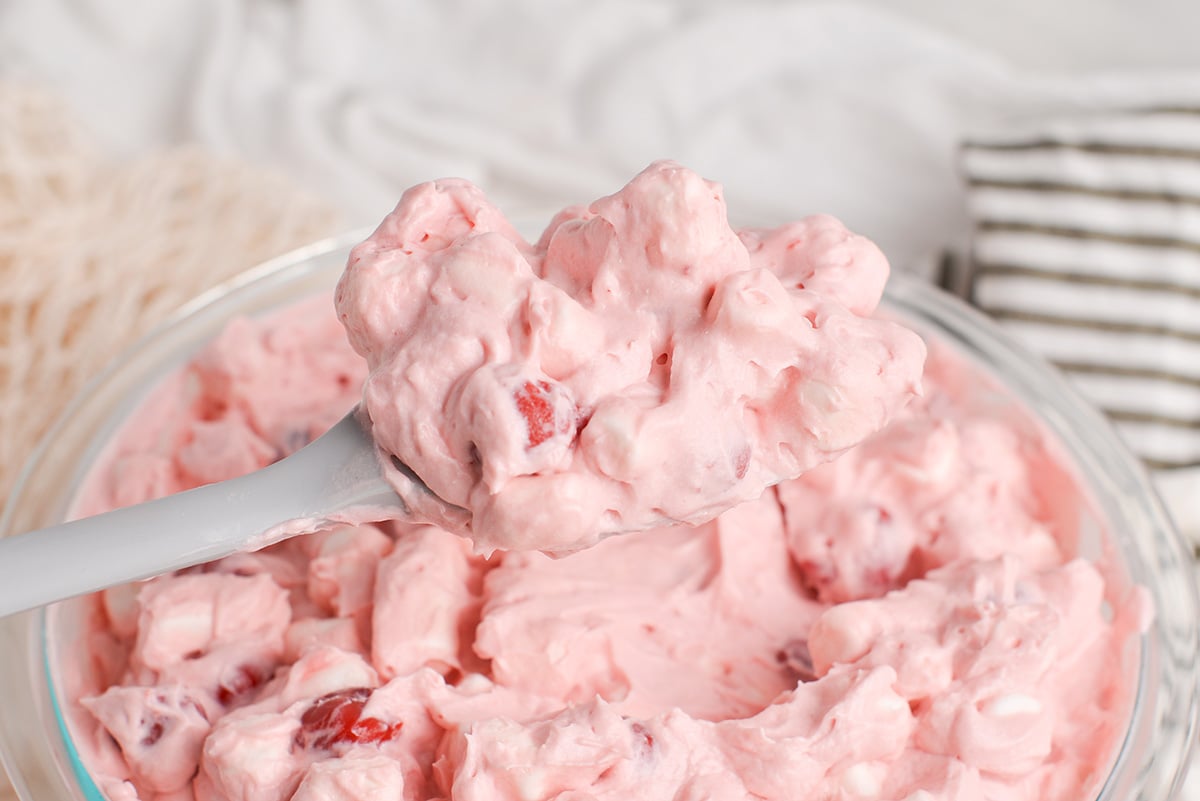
[[911, 621], [642, 363]]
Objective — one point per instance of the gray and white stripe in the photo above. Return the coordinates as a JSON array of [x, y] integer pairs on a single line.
[[1087, 248]]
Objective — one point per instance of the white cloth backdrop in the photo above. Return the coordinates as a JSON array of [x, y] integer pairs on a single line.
[[795, 107]]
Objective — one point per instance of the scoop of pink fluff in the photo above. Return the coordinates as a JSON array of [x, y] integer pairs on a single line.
[[642, 363]]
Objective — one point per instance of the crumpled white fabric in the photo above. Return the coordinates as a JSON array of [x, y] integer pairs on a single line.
[[796, 108]]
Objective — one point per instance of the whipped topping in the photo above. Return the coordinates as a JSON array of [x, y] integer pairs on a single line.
[[912, 621], [956, 649], [642, 363]]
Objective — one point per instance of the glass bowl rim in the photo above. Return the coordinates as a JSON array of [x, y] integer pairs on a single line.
[[1083, 432]]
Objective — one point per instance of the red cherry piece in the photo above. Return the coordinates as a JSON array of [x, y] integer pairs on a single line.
[[643, 742], [337, 718], [154, 731], [879, 578], [817, 575], [533, 402], [743, 463], [243, 679], [154, 725], [796, 658]]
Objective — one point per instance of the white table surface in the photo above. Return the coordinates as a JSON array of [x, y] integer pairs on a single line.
[[220, 72]]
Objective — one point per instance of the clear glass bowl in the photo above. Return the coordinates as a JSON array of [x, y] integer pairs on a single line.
[[1120, 512]]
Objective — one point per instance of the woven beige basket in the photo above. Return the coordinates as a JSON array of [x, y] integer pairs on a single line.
[[94, 252]]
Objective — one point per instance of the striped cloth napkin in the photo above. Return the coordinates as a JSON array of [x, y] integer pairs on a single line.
[[1086, 247]]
